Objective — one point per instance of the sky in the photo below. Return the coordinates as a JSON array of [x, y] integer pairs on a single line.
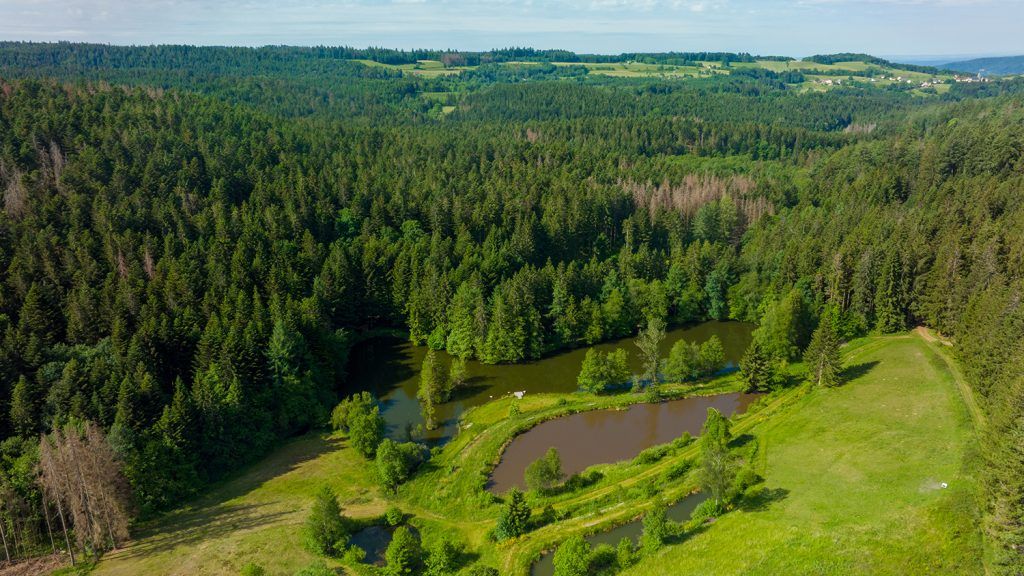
[[908, 28]]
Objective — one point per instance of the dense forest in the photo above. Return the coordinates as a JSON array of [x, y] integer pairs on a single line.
[[192, 239]]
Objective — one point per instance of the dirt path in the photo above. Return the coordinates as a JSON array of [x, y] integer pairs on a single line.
[[940, 347]]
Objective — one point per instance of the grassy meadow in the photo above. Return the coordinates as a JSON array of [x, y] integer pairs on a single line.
[[856, 478]]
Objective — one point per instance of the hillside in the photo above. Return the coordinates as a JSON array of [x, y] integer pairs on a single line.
[[1003, 65]]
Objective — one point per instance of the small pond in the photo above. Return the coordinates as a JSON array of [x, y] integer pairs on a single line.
[[604, 436], [390, 368]]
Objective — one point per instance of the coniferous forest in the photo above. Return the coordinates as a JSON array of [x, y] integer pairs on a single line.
[[192, 240]]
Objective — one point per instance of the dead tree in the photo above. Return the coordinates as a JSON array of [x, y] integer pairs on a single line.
[[80, 472]]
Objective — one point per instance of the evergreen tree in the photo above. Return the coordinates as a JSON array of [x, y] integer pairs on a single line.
[[760, 369], [326, 527], [514, 518], [23, 413], [433, 388], [822, 356]]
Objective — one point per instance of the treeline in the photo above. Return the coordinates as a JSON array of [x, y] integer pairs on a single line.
[[867, 58]]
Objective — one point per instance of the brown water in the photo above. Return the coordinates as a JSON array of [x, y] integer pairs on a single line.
[[390, 368], [678, 512], [605, 436]]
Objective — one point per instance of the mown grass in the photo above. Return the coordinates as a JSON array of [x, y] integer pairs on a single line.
[[856, 473]]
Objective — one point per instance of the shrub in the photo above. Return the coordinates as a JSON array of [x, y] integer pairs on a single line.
[[252, 569], [651, 455], [315, 569], [706, 510], [394, 516]]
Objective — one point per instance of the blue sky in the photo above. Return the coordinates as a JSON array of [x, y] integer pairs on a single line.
[[789, 27]]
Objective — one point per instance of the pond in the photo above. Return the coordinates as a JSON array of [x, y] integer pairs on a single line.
[[374, 540], [604, 436], [390, 368], [678, 512]]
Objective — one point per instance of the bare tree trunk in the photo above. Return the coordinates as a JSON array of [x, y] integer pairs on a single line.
[[3, 535], [64, 526], [49, 527]]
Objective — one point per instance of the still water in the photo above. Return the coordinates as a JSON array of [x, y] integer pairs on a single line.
[[604, 436], [390, 368]]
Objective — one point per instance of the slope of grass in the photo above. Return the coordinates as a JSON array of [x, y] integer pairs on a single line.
[[255, 516], [855, 477]]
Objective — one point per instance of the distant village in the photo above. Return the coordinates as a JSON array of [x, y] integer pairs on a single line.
[[969, 79]]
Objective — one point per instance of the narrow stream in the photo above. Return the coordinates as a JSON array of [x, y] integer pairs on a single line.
[[678, 512]]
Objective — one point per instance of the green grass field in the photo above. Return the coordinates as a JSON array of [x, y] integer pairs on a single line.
[[855, 474]]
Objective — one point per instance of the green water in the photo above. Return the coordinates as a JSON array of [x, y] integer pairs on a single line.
[[390, 368]]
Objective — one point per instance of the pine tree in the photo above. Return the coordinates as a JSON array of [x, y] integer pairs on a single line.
[[433, 388], [822, 355], [514, 518], [326, 528], [23, 412], [759, 369]]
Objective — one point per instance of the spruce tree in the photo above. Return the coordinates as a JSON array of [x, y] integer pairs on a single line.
[[822, 356]]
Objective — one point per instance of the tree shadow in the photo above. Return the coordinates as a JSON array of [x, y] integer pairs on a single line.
[[470, 387], [762, 499], [199, 525], [742, 440], [855, 371], [380, 365], [681, 535], [576, 482]]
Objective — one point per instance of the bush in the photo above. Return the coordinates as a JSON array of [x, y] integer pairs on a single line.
[[394, 516], [706, 510], [252, 569], [651, 455], [481, 570], [315, 569], [354, 555], [678, 470]]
